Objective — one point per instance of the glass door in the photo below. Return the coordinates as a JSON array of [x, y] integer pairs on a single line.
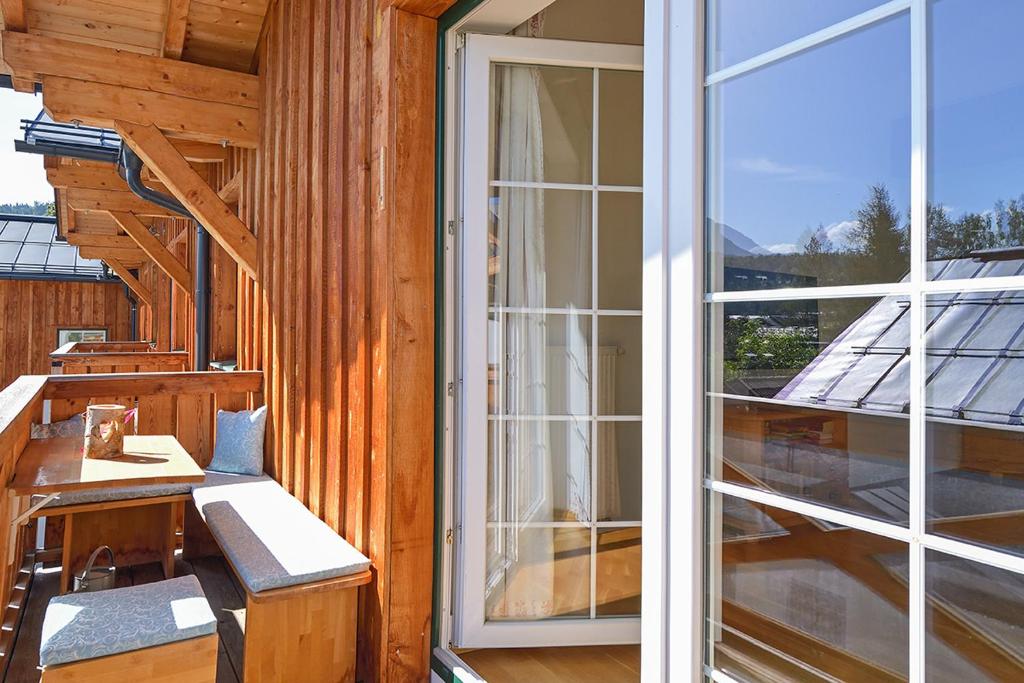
[[550, 348]]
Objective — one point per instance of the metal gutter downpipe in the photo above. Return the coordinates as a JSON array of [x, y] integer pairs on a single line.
[[133, 314], [201, 299], [132, 165]]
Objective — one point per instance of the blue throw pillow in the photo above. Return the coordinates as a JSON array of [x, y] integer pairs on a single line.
[[239, 446]]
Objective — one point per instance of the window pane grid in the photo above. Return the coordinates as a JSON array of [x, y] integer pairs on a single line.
[[597, 423], [927, 354]]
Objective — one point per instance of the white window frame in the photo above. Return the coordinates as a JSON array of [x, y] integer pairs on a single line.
[[673, 637], [479, 53], [63, 332]]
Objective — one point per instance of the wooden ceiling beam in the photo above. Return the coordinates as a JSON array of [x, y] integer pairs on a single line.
[[14, 15], [191, 190], [155, 249], [100, 104], [112, 200], [133, 284], [200, 152], [175, 25], [86, 239], [34, 56]]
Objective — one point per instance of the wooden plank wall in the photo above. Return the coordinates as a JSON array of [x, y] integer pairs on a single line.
[[340, 193], [31, 312]]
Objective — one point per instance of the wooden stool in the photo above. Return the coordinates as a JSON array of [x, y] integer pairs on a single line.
[[158, 632]]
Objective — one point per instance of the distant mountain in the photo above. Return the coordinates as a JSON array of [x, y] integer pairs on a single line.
[[735, 243]]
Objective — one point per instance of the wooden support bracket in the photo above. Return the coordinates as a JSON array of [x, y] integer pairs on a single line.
[[151, 244], [192, 191], [130, 280]]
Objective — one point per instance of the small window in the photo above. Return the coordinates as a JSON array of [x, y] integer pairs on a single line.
[[72, 335]]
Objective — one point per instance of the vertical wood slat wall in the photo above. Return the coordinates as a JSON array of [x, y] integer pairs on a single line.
[[32, 311], [340, 194]]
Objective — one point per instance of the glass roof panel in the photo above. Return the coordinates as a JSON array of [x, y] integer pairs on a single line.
[[40, 232], [34, 254], [15, 231]]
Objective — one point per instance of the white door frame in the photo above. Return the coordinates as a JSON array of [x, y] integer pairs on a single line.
[[471, 629], [671, 631]]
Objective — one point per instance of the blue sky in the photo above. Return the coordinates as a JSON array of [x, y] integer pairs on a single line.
[[22, 178], [799, 142]]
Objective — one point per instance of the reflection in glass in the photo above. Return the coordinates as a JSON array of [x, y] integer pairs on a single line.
[[619, 365], [620, 126], [808, 166], [618, 572], [792, 598], [542, 123], [741, 29], [975, 615], [539, 364], [974, 437], [834, 432], [976, 180], [537, 573], [620, 243], [538, 471], [619, 471], [539, 250]]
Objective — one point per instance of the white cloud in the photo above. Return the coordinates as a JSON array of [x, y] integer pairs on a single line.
[[765, 166], [784, 248], [839, 233], [22, 178]]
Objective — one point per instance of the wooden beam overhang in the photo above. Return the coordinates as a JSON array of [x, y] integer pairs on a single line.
[[100, 104], [192, 191], [175, 25], [132, 256], [98, 85], [80, 239], [130, 280], [34, 56], [150, 244], [113, 200], [91, 178]]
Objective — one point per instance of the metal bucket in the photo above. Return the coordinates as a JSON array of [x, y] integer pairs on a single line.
[[96, 578]]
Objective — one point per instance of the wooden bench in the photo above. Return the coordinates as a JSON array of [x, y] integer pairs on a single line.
[[158, 632], [300, 579]]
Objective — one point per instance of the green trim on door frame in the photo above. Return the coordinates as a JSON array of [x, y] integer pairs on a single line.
[[445, 22]]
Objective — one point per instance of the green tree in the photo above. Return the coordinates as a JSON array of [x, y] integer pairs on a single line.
[[880, 235]]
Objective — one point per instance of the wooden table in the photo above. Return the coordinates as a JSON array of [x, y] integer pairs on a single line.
[[55, 465], [137, 530]]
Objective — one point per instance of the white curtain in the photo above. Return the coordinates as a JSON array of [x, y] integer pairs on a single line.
[[523, 556]]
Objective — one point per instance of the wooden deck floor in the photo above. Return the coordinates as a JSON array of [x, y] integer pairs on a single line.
[[222, 590], [608, 664]]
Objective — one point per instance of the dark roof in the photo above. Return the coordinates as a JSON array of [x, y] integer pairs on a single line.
[[31, 249]]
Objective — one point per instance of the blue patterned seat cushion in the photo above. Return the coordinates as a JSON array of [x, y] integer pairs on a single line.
[[149, 491], [81, 626], [121, 493], [271, 539], [239, 445]]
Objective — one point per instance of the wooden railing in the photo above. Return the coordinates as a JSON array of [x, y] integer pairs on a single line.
[[179, 403], [79, 358]]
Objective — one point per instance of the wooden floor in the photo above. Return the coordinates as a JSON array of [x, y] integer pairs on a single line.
[[608, 664], [222, 590]]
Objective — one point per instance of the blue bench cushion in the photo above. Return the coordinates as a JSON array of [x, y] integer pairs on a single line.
[[81, 626], [271, 539]]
